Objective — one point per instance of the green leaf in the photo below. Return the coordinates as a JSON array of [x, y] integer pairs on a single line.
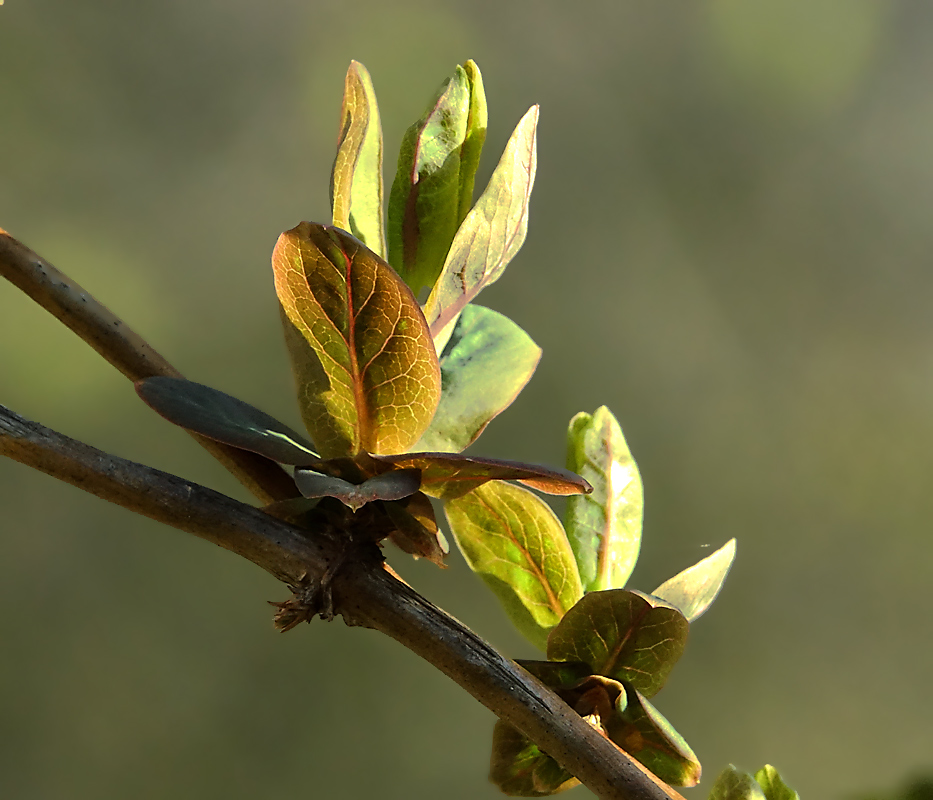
[[221, 417], [388, 486], [368, 377], [520, 769], [492, 233], [517, 545], [622, 634], [733, 784], [449, 475], [436, 167], [604, 527], [473, 142], [356, 179], [486, 363], [694, 589], [643, 732], [774, 788]]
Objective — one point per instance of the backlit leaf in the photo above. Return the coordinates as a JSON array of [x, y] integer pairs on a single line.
[[436, 166], [367, 373], [694, 589], [475, 136], [520, 769], [356, 179], [604, 527], [493, 231], [449, 475], [388, 486], [643, 732], [222, 417], [773, 786], [733, 784], [517, 545], [487, 362], [622, 634]]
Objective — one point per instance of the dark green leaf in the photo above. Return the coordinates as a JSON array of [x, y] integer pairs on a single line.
[[356, 179], [492, 233], [222, 417], [368, 376], [622, 634], [604, 527], [774, 788], [733, 784], [388, 486], [520, 769], [486, 363], [517, 545], [556, 674], [416, 531], [436, 166], [448, 475], [694, 589], [646, 735]]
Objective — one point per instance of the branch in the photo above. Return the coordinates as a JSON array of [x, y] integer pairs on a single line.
[[364, 592], [128, 352]]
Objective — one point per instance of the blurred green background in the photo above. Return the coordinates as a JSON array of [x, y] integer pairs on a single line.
[[729, 246]]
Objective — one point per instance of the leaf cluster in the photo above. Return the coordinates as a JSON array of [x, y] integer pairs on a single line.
[[392, 390]]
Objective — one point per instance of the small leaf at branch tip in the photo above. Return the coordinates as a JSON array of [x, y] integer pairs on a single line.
[[356, 177], [492, 233], [694, 590]]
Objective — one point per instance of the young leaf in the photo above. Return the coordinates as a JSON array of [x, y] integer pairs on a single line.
[[643, 732], [388, 486], [517, 545], [220, 416], [492, 233], [604, 527], [436, 166], [694, 589], [520, 769], [733, 784], [774, 788], [486, 363], [448, 475], [473, 142], [622, 634], [356, 179], [368, 377]]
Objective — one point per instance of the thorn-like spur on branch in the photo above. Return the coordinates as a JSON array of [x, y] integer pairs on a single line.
[[364, 592], [128, 352]]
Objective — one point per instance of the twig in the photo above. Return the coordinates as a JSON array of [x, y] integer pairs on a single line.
[[364, 593], [128, 352]]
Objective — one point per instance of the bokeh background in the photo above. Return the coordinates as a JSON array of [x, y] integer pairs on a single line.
[[729, 246]]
